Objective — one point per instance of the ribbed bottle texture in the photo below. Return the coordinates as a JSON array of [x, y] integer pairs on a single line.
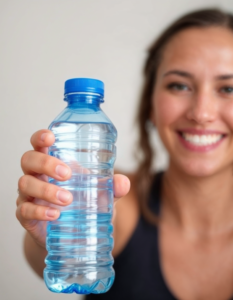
[[80, 242]]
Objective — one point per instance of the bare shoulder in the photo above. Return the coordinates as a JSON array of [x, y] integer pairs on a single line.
[[126, 218]]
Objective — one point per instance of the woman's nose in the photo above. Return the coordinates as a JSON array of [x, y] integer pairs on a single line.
[[203, 108]]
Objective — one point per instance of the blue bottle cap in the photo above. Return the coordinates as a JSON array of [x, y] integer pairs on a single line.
[[90, 85]]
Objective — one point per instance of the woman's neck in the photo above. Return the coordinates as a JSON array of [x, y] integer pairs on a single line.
[[200, 206]]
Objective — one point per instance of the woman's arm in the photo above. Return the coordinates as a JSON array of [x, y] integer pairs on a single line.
[[35, 254], [126, 218]]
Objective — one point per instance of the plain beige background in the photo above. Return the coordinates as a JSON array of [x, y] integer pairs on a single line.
[[43, 43]]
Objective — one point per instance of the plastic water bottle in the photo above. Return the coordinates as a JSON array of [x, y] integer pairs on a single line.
[[80, 242]]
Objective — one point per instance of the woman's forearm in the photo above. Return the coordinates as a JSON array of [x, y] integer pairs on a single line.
[[34, 254]]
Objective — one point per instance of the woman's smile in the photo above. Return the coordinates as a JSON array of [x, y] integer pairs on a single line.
[[200, 140]]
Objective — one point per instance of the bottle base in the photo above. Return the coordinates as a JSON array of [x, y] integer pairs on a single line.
[[97, 287]]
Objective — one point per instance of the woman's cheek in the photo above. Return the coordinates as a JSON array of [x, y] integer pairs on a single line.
[[168, 109], [227, 113]]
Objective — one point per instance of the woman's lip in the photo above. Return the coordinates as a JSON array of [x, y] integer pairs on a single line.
[[197, 148], [200, 131]]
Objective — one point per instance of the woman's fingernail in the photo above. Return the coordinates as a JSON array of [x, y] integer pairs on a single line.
[[63, 196], [43, 136], [51, 212], [62, 171]]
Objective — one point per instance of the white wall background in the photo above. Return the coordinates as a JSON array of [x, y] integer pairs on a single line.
[[43, 43]]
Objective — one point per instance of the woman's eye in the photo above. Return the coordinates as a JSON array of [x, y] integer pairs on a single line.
[[227, 89], [178, 87]]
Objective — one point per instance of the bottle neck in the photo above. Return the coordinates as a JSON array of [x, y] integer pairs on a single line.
[[83, 99]]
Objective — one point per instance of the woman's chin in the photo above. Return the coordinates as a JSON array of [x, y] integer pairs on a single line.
[[199, 169]]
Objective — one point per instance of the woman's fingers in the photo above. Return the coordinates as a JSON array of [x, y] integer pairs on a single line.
[[36, 188], [34, 162], [28, 211], [121, 185], [42, 139]]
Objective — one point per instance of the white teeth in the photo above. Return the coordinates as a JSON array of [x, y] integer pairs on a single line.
[[202, 140]]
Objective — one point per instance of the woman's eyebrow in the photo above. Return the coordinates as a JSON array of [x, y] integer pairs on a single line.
[[189, 75], [178, 72], [224, 77]]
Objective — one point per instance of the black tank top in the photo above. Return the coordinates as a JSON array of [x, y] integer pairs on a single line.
[[137, 267]]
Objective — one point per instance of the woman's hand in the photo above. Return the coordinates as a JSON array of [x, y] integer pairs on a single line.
[[38, 200]]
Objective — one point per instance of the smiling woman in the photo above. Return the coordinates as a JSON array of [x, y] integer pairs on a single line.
[[173, 231], [191, 60], [198, 92]]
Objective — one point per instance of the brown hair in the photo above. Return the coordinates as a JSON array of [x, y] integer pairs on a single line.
[[201, 19]]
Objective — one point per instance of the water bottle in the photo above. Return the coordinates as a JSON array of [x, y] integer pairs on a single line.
[[80, 242]]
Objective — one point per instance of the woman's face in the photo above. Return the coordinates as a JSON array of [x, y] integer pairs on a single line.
[[193, 100]]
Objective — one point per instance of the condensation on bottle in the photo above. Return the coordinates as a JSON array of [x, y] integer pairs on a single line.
[[80, 242]]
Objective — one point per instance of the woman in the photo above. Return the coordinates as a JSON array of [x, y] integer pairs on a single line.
[[174, 231]]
